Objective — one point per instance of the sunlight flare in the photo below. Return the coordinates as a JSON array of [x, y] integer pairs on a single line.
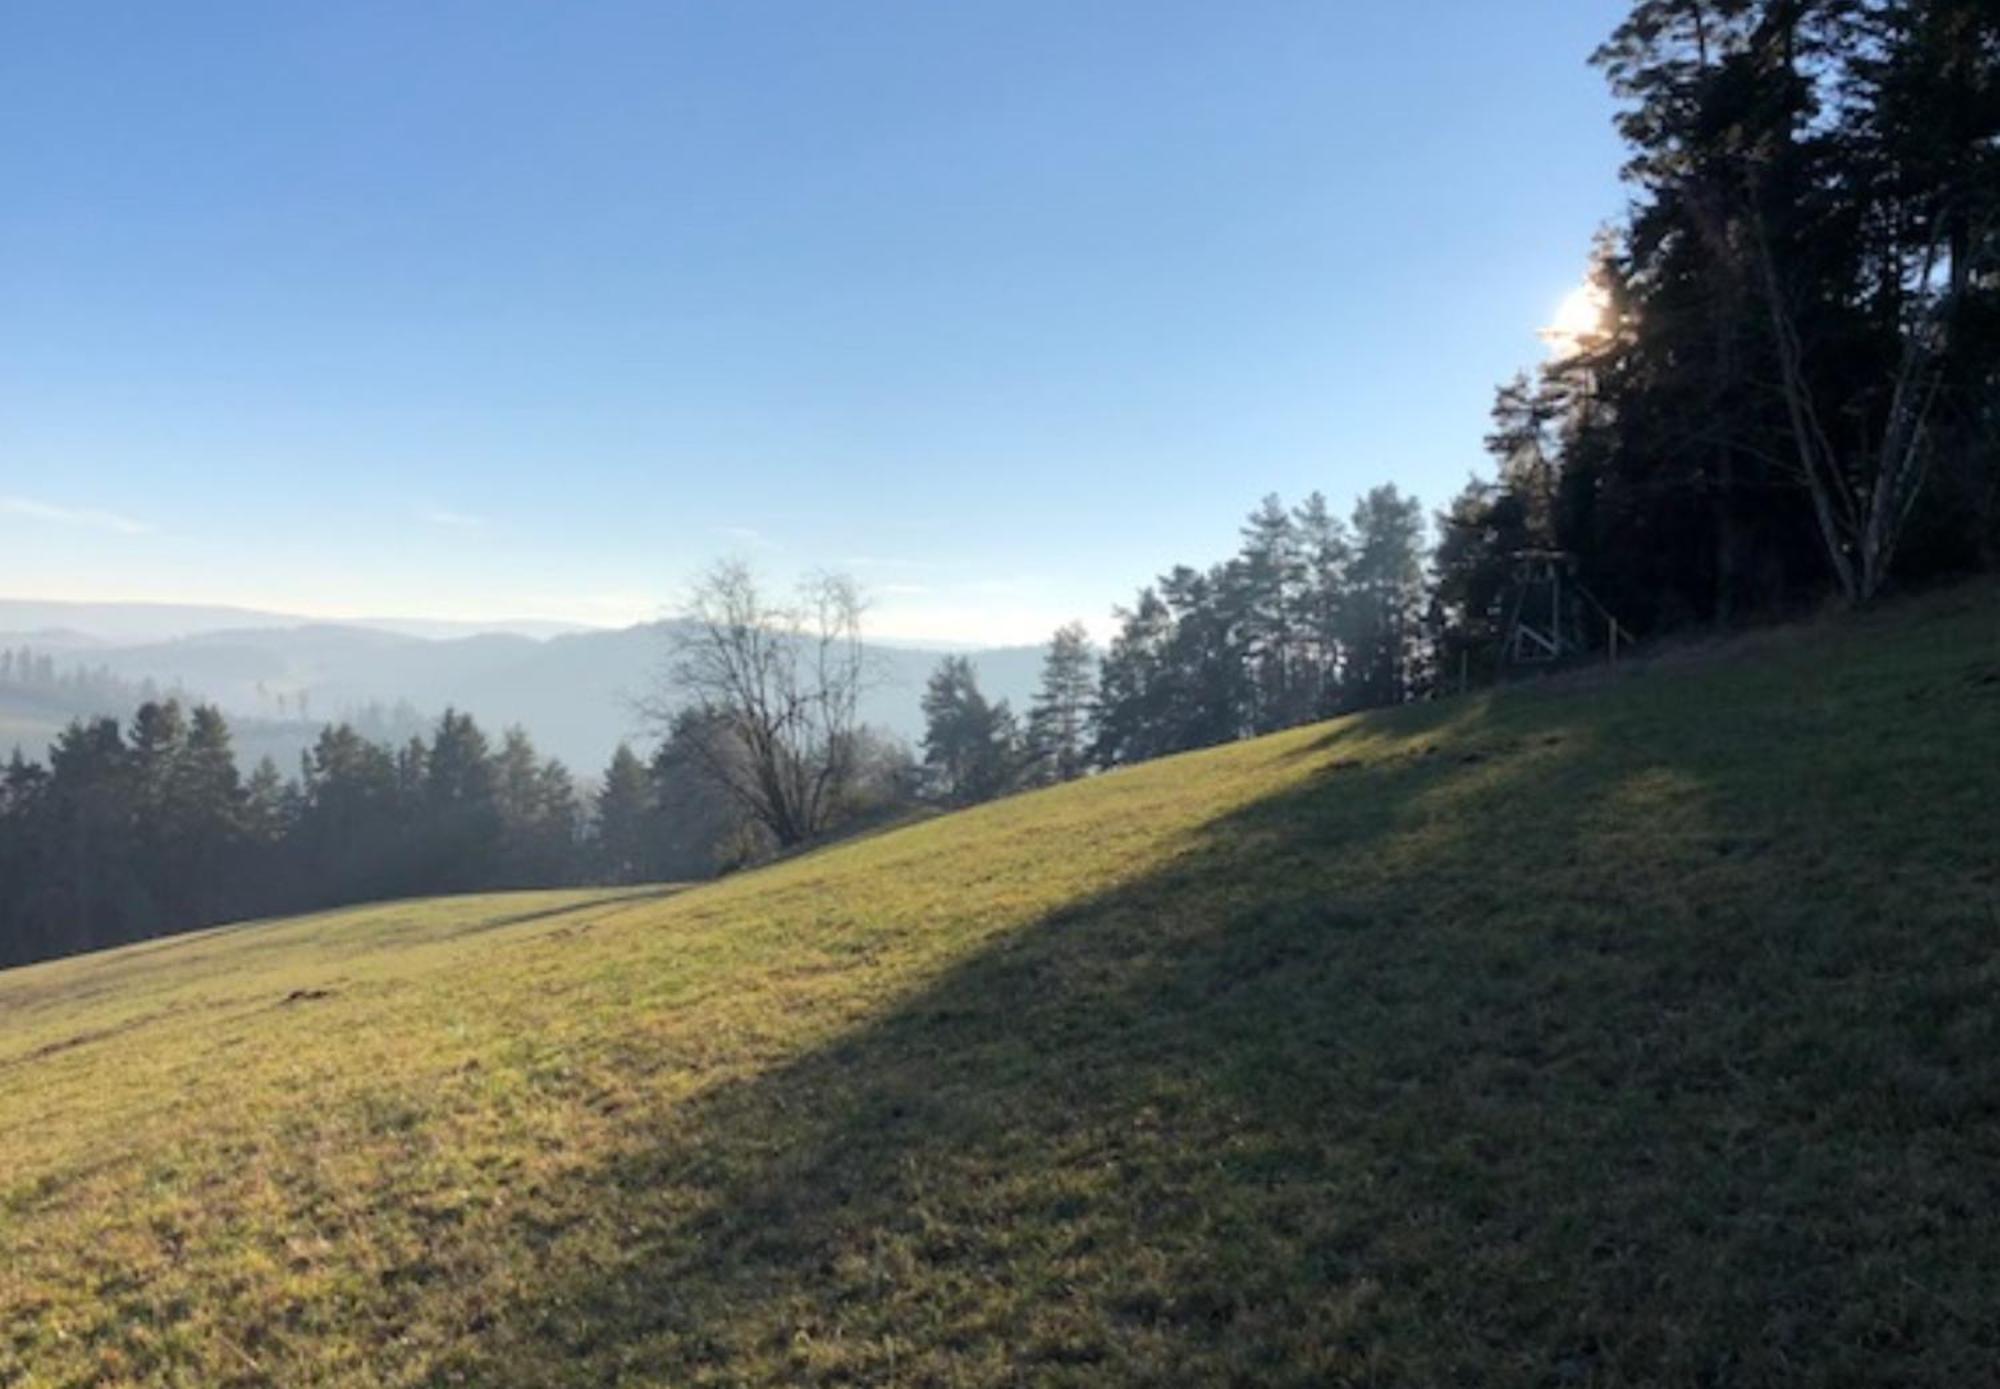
[[1582, 317]]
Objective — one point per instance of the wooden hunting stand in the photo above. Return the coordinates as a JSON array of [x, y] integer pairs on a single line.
[[1550, 613]]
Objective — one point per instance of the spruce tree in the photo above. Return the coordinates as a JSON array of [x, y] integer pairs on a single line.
[[624, 819], [1384, 598], [970, 744], [462, 816], [1058, 735], [205, 811], [1269, 577], [1324, 553]]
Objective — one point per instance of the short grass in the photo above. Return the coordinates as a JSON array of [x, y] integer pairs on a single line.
[[1636, 1030]]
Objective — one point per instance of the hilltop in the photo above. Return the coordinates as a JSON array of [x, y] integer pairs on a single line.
[[1632, 1028]]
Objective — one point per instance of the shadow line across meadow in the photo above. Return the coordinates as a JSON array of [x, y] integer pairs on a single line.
[[1428, 1071]]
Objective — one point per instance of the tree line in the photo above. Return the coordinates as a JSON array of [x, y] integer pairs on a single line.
[[35, 674], [1795, 387], [1792, 391], [1313, 616], [138, 829], [135, 830]]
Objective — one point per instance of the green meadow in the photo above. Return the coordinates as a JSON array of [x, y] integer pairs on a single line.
[[1637, 1027]]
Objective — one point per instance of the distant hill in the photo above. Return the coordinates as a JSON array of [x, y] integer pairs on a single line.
[[34, 711], [573, 692], [1629, 1029], [125, 623]]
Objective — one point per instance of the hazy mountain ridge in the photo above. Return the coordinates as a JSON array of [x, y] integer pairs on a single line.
[[123, 623], [574, 692]]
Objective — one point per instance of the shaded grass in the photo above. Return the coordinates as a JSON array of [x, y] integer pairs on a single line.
[[1637, 1034]]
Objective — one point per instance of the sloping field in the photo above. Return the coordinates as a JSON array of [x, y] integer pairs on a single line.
[[1635, 1030]]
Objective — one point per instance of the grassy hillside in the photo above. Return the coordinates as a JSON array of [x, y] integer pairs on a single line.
[[1632, 1031]]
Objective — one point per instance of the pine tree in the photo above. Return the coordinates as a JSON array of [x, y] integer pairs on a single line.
[[353, 841], [1058, 736], [461, 813], [1133, 685], [1324, 553], [971, 746], [1384, 598], [1269, 577], [205, 810], [624, 819], [699, 826], [558, 839], [1480, 536], [97, 888], [269, 806], [155, 746], [1210, 687], [29, 929]]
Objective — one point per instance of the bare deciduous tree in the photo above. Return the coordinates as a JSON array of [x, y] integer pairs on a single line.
[[1862, 496], [1861, 510], [782, 683]]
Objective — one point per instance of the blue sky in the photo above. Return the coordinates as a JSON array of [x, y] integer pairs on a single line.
[[530, 310]]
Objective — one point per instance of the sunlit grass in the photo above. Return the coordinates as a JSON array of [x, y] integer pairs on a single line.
[[1632, 1033]]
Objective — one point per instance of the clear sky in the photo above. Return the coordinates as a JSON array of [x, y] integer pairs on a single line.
[[494, 309]]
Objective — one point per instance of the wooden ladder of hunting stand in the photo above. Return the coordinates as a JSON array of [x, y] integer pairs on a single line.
[[1546, 619]]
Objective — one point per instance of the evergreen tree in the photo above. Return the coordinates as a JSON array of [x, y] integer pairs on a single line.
[[1269, 577], [1058, 734], [205, 820], [1210, 688], [625, 814], [354, 840], [96, 891], [700, 828], [1384, 599], [1480, 539], [461, 811], [269, 810], [518, 808], [559, 821], [155, 748], [413, 772], [29, 926], [971, 746], [1324, 553], [1134, 690]]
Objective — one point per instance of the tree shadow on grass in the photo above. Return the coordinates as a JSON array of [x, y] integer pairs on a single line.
[[1429, 1070]]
